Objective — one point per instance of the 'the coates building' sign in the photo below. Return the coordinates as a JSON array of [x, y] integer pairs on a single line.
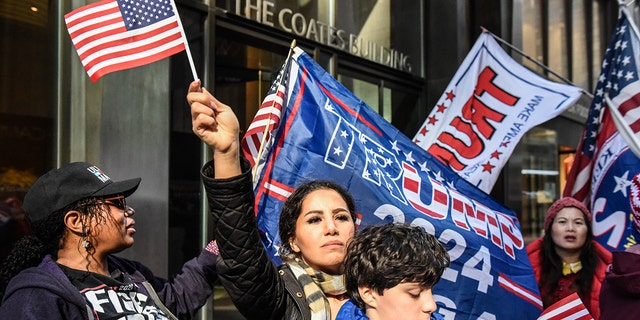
[[286, 19]]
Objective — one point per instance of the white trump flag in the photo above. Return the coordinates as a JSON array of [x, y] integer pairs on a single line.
[[487, 107]]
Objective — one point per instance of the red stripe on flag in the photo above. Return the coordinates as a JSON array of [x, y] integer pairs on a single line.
[[76, 15], [130, 43], [266, 119], [635, 126], [136, 63], [130, 51], [96, 26], [630, 104], [519, 290]]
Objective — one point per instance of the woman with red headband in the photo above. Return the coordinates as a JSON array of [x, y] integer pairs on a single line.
[[567, 259]]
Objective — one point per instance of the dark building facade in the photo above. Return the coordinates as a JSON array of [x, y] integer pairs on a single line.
[[398, 56]]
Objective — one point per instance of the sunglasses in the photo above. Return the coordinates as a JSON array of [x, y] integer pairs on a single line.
[[121, 203]]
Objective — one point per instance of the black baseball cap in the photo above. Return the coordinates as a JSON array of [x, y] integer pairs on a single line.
[[70, 183]]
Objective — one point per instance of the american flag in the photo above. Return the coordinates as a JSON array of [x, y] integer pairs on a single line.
[[619, 81], [267, 119], [113, 35], [568, 308]]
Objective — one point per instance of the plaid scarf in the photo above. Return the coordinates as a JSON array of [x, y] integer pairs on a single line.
[[315, 285]]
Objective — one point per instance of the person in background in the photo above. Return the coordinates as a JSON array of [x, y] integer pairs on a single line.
[[390, 272], [620, 293], [567, 259], [13, 226], [315, 225], [66, 269]]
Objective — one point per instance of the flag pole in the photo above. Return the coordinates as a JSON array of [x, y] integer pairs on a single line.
[[254, 170], [538, 63], [625, 10], [186, 43]]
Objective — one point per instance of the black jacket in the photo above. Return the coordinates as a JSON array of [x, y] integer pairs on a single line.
[[256, 286]]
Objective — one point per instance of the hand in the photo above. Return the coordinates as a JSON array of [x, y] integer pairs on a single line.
[[212, 121], [216, 125]]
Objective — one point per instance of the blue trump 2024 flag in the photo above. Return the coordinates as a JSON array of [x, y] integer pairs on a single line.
[[317, 129]]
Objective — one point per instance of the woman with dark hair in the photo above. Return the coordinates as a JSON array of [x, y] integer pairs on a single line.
[[315, 226], [567, 259], [66, 269]]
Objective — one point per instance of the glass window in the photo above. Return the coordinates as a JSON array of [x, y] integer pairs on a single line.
[[366, 91], [400, 106], [538, 152], [27, 103]]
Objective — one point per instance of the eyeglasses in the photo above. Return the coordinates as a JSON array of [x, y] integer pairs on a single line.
[[121, 203]]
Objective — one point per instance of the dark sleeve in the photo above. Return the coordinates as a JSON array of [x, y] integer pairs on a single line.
[[35, 294], [244, 267], [39, 304], [188, 291]]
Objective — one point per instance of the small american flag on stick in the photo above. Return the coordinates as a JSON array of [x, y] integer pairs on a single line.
[[568, 308], [112, 35]]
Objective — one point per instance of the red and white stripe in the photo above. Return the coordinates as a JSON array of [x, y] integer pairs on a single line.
[[266, 120]]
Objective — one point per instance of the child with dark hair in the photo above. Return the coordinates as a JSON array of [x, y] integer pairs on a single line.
[[390, 272]]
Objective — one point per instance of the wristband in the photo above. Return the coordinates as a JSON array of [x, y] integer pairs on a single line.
[[212, 247]]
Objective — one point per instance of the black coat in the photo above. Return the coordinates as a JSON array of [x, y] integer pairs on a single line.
[[258, 288]]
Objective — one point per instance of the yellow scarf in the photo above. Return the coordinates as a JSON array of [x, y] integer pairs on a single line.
[[569, 268]]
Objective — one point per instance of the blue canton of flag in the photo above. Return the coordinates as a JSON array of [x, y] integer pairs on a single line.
[[618, 71], [142, 13], [325, 132]]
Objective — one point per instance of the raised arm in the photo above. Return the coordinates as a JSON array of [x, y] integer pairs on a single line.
[[244, 267]]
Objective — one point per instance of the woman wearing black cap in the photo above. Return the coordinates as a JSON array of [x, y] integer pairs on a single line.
[[67, 270]]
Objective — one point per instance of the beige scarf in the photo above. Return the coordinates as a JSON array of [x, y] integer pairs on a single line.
[[315, 285]]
